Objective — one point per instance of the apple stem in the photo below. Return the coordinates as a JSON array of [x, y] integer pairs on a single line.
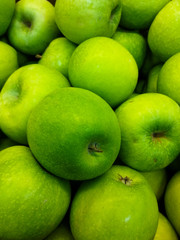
[[38, 56], [126, 180], [93, 147]]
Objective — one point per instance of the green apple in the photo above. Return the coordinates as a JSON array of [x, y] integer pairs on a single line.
[[140, 86], [134, 42], [32, 201], [23, 90], [33, 26], [168, 80], [172, 201], [157, 180], [74, 134], [139, 14], [80, 20], [150, 61], [150, 130], [62, 232], [120, 204], [163, 36], [165, 231], [105, 67], [152, 80], [58, 54], [6, 12], [23, 58], [8, 62]]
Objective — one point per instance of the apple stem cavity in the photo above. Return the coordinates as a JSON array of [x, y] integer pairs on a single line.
[[126, 180], [156, 136], [93, 147], [27, 23]]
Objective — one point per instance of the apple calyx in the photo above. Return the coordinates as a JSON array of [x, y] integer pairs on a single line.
[[156, 136], [94, 147], [27, 23], [126, 180]]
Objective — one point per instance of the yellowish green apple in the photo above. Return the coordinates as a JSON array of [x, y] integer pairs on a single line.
[[152, 79], [23, 90], [32, 201], [165, 230], [163, 34], [8, 62], [105, 67], [134, 42], [157, 180], [80, 20], [120, 204], [58, 54], [168, 80]]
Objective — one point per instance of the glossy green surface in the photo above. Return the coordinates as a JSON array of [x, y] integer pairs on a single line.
[[104, 67], [150, 128], [32, 201], [25, 88], [105, 208], [153, 78], [80, 20], [168, 81], [33, 26], [134, 42], [74, 134], [139, 14], [8, 62], [163, 36], [157, 180], [58, 54], [6, 12], [165, 231]]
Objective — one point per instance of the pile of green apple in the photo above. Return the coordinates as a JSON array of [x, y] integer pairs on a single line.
[[89, 120]]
